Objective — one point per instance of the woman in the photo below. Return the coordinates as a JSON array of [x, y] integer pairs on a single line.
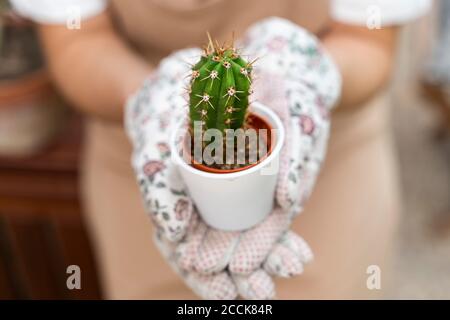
[[350, 219]]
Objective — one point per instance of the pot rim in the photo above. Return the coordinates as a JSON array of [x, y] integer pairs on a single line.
[[262, 111]]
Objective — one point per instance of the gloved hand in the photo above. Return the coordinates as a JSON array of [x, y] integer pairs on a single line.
[[302, 99]]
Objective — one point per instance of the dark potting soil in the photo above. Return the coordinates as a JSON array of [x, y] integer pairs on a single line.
[[250, 154]]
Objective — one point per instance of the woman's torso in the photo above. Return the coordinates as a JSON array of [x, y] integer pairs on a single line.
[[156, 28]]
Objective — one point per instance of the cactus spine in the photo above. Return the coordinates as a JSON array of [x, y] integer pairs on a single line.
[[220, 88]]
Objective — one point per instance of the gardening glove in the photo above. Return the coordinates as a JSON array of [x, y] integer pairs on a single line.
[[251, 281], [294, 61], [210, 251], [285, 260], [150, 116]]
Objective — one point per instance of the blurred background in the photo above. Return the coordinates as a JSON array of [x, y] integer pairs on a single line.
[[41, 140], [41, 229]]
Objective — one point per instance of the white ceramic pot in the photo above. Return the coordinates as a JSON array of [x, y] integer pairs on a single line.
[[238, 200]]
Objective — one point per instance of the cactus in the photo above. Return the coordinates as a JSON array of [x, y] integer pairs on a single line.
[[220, 88]]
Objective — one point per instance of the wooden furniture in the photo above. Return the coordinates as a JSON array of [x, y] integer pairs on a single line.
[[41, 226]]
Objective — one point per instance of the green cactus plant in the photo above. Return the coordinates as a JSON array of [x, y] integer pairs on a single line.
[[220, 88]]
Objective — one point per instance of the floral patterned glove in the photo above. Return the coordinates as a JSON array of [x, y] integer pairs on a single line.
[[311, 85], [150, 115], [205, 253]]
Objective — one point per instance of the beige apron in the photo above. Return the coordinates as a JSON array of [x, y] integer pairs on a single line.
[[349, 221]]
